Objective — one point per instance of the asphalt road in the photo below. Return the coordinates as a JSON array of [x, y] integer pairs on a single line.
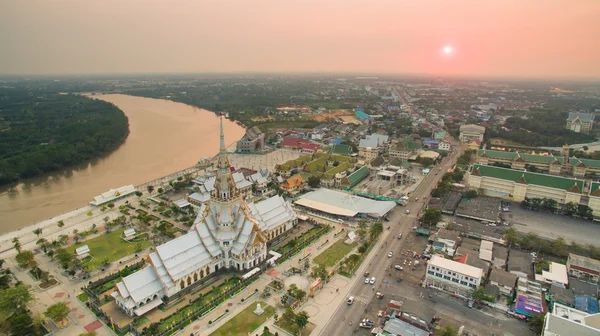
[[339, 324]]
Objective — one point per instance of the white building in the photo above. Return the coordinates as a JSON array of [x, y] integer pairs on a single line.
[[470, 132], [445, 146], [227, 233], [567, 321], [113, 195], [557, 275], [452, 276]]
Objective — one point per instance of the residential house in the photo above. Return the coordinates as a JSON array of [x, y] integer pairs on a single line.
[[444, 145], [583, 267], [520, 263], [556, 275], [446, 241], [505, 281]]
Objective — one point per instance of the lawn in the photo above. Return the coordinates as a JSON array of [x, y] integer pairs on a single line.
[[293, 329], [246, 321], [197, 305], [83, 297], [109, 246], [334, 253]]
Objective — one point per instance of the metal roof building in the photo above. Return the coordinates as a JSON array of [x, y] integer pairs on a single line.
[[341, 204]]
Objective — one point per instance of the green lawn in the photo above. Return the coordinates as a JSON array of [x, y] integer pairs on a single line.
[[109, 246], [293, 329], [83, 297], [197, 305], [246, 321], [334, 253]]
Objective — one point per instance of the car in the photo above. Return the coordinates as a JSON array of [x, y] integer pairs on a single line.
[[400, 236], [367, 322], [366, 274], [398, 267], [390, 254], [372, 281], [367, 280], [407, 211], [470, 304], [350, 300], [379, 295]]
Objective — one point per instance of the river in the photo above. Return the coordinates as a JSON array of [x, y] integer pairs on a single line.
[[164, 137]]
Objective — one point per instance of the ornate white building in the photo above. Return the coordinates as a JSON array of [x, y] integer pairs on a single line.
[[227, 233]]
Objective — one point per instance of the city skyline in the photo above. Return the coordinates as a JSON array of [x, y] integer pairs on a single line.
[[504, 39]]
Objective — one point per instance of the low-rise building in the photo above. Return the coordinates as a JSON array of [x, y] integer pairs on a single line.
[[583, 267], [452, 276], [504, 280], [372, 146], [530, 300], [520, 263], [444, 145], [446, 241], [470, 132], [556, 275], [499, 256], [253, 141], [580, 122], [567, 321], [517, 185], [294, 183], [300, 144]]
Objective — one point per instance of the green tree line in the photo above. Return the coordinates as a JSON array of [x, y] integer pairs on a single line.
[[42, 132]]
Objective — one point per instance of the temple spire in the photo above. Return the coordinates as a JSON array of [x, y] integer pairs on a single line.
[[222, 135]]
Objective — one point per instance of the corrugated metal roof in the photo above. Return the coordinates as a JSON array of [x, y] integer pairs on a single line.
[[339, 203]]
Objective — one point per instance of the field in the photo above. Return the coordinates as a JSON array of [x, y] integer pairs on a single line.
[[109, 246], [325, 116], [334, 253], [246, 321], [500, 141]]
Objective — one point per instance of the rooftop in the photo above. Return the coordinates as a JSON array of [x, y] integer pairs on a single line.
[[373, 140], [503, 277], [584, 117], [342, 204], [550, 181], [472, 128], [479, 208], [584, 262], [471, 271]]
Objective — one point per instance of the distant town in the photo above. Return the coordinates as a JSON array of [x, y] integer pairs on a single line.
[[351, 206]]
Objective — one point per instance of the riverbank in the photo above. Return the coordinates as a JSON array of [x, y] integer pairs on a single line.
[[165, 137]]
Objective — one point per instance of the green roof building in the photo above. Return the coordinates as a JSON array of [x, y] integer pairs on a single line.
[[517, 185]]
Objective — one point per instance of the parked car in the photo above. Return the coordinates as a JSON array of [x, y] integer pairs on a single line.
[[379, 295], [372, 281], [407, 211], [400, 236], [390, 254], [350, 300], [366, 274], [367, 280], [398, 267]]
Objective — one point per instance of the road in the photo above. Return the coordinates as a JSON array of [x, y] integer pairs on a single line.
[[399, 223]]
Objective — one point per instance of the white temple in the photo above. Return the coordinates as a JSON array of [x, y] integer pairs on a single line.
[[227, 233]]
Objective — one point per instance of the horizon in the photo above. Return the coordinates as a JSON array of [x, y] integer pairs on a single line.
[[497, 39]]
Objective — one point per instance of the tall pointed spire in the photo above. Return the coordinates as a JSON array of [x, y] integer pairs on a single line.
[[222, 135]]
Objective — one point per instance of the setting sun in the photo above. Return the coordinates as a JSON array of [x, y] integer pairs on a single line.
[[447, 50]]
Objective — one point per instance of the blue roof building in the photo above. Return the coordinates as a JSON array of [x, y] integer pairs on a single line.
[[361, 115]]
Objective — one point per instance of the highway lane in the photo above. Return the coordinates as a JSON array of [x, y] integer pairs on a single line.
[[346, 317]]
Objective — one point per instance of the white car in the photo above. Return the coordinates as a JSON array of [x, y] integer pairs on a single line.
[[390, 254], [367, 280], [350, 300], [372, 281], [398, 267]]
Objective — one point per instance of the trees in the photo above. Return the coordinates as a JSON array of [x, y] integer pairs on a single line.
[[58, 312], [570, 208], [60, 224], [302, 320], [471, 193], [17, 244], [375, 230], [431, 217], [362, 229], [25, 259], [150, 189], [319, 271], [510, 236], [585, 212], [314, 181], [37, 231], [537, 323], [90, 214], [448, 331], [76, 236], [160, 190], [64, 257], [111, 205]]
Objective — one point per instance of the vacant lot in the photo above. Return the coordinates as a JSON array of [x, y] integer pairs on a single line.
[[325, 116], [246, 321], [109, 246], [334, 253], [552, 226]]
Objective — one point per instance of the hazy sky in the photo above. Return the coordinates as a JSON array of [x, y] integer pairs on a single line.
[[533, 38]]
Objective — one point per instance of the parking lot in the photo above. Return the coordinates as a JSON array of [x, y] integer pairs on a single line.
[[552, 226]]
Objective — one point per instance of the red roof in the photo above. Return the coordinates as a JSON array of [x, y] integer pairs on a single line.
[[461, 259], [294, 142]]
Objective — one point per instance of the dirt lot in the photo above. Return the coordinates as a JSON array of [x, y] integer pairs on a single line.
[[325, 116], [411, 274]]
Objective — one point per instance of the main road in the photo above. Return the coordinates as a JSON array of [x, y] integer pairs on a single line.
[[399, 223]]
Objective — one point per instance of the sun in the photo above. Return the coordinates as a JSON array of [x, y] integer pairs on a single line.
[[447, 50]]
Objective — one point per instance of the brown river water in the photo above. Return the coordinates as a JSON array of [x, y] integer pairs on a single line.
[[165, 137]]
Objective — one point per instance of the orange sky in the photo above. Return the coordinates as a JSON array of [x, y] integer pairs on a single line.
[[529, 38]]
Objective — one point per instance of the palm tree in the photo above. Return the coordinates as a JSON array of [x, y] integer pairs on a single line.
[[17, 244], [150, 189], [37, 231], [76, 233], [60, 224]]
